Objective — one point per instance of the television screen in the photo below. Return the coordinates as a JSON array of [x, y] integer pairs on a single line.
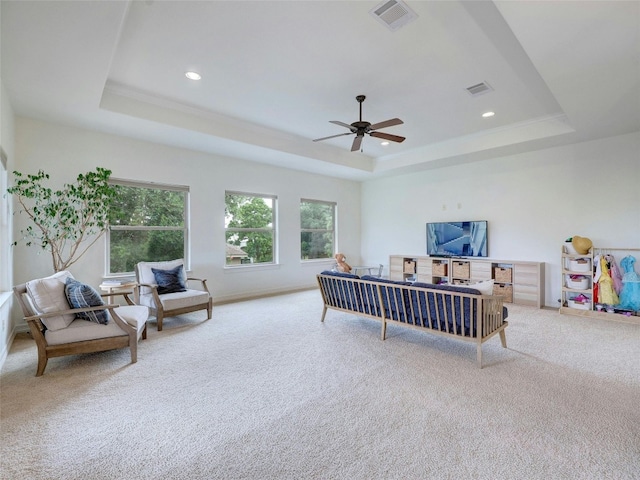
[[457, 239]]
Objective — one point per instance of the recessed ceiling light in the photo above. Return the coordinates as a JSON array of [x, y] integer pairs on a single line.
[[488, 114], [384, 144], [193, 75]]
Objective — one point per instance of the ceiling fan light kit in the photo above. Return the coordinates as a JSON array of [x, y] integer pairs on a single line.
[[360, 128]]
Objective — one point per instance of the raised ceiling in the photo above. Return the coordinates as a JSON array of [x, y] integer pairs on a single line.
[[275, 72]]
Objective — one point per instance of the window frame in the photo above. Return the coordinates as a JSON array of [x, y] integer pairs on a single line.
[[273, 230], [333, 231], [186, 227]]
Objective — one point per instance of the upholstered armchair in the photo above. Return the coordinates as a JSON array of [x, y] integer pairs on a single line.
[[67, 317], [165, 288]]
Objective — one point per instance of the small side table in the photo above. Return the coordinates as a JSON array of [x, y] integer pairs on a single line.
[[124, 289]]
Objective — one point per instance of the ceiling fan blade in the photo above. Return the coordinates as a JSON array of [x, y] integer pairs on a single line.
[[342, 124], [388, 136], [387, 123], [333, 136], [357, 142]]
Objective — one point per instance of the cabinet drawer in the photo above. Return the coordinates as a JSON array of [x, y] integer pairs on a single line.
[[423, 269], [480, 271], [525, 274], [397, 267], [525, 295], [423, 278]]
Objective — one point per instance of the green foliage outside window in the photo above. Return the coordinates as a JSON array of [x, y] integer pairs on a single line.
[[317, 224], [249, 226], [147, 224]]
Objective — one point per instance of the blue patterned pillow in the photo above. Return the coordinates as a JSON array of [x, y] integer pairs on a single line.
[[80, 295], [170, 281]]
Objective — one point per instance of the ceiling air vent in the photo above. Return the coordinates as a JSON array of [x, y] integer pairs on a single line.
[[394, 14], [479, 89]]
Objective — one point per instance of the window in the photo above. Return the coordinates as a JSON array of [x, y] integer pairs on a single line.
[[317, 229], [249, 228], [147, 222]]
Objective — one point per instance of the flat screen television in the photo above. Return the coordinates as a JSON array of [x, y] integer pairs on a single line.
[[457, 239]]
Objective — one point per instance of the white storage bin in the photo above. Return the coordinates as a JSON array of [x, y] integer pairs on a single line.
[[579, 264], [579, 282], [579, 305], [568, 248]]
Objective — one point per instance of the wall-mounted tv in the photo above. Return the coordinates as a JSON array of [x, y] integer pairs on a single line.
[[457, 239]]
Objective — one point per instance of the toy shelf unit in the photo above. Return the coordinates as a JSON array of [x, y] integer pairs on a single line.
[[577, 280], [578, 296], [519, 282]]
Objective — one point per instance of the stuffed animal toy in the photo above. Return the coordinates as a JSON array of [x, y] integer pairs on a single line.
[[343, 266]]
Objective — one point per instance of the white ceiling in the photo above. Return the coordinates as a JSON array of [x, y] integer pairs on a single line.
[[275, 73]]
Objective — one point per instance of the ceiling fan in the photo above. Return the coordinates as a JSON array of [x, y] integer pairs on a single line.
[[361, 128]]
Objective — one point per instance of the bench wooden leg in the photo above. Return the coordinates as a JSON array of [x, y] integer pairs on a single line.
[[503, 338]]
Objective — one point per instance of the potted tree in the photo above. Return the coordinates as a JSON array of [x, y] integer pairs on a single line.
[[66, 222]]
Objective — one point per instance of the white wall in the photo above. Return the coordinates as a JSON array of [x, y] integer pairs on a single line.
[[533, 202], [63, 152], [7, 326]]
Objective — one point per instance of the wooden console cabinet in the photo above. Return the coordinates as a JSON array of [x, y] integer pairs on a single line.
[[520, 282]]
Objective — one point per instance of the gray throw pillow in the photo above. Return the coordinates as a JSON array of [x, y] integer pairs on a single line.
[[170, 281], [80, 295]]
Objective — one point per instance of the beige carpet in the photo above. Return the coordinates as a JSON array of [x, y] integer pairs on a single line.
[[264, 390]]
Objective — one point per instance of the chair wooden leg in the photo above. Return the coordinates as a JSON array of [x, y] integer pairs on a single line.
[[324, 312], [209, 309], [384, 330], [159, 318], [144, 332], [134, 352], [42, 363]]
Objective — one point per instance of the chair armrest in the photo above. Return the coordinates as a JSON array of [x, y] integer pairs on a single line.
[[111, 307], [151, 286], [123, 293], [70, 311], [203, 281]]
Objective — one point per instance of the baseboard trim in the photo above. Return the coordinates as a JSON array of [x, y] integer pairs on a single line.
[[255, 296], [5, 350]]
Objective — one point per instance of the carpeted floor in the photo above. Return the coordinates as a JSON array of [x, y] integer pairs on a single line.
[[264, 390]]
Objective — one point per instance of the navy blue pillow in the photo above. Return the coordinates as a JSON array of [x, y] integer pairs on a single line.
[[80, 295], [170, 281]]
